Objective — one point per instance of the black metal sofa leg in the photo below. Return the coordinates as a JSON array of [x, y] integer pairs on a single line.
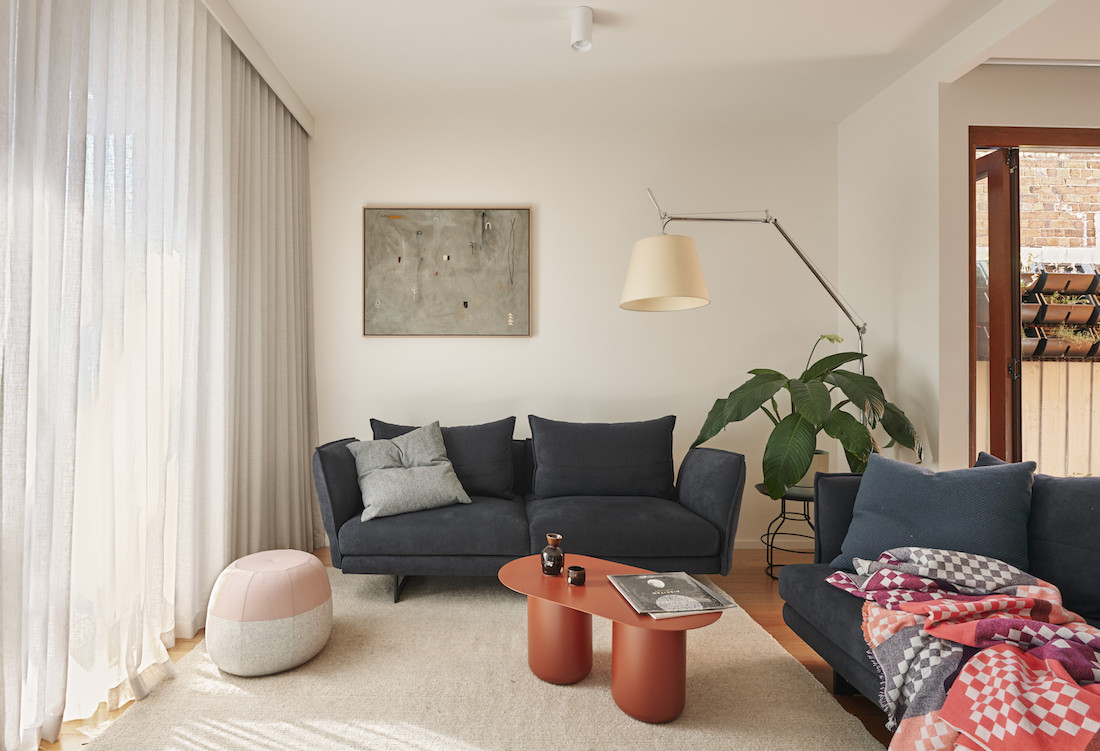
[[841, 687], [399, 583]]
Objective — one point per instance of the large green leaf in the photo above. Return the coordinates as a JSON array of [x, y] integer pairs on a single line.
[[829, 363], [901, 429], [810, 399], [852, 434], [862, 390], [742, 402], [788, 453], [855, 463]]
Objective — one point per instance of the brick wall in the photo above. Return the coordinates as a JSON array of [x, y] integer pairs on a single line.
[[1059, 201]]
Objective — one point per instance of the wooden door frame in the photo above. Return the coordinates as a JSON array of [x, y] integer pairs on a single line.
[[991, 137], [1000, 168]]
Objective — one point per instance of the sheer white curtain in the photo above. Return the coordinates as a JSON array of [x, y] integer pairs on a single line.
[[156, 370]]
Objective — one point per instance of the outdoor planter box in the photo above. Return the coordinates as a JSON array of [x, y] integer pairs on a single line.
[[1056, 347], [1055, 311], [1031, 309], [1031, 343], [1069, 279]]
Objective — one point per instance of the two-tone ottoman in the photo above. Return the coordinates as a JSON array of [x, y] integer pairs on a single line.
[[269, 612]]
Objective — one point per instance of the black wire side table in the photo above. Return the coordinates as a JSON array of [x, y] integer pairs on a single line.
[[804, 496]]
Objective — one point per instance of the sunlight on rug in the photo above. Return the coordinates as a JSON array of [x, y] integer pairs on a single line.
[[446, 670]]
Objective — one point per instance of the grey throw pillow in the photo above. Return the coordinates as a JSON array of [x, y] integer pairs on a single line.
[[409, 473], [480, 454], [981, 510]]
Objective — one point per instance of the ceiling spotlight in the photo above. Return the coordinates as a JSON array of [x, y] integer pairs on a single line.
[[581, 40]]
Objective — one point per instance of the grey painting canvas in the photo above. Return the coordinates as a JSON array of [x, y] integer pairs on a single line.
[[446, 272]]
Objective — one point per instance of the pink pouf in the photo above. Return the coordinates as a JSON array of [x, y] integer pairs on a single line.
[[269, 612]]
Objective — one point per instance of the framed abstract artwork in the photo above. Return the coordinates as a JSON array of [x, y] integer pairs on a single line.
[[446, 272]]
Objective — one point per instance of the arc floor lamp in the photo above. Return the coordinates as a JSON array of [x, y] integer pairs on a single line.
[[664, 272]]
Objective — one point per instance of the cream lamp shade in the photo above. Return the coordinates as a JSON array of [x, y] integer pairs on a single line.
[[664, 274]]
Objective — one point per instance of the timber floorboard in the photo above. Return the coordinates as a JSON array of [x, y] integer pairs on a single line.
[[746, 582]]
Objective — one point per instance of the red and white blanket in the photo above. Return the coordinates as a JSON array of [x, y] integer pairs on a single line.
[[976, 654]]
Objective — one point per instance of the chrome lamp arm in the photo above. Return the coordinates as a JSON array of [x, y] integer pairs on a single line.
[[845, 308]]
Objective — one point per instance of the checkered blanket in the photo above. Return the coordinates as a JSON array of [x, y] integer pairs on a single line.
[[976, 654]]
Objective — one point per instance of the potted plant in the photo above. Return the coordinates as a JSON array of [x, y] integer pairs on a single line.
[[793, 439]]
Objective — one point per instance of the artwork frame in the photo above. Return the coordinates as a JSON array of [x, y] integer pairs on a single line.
[[446, 271]]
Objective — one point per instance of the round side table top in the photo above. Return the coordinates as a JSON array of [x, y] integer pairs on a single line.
[[793, 493]]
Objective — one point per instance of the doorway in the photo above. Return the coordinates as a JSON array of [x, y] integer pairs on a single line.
[[1035, 346]]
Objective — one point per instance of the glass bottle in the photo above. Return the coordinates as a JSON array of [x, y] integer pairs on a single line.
[[553, 559]]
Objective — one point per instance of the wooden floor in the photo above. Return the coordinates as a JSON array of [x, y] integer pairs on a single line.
[[747, 582]]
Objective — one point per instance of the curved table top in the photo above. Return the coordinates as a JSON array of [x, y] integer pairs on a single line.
[[597, 596], [806, 495]]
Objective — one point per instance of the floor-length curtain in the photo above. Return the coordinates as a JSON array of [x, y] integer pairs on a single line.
[[156, 369], [41, 233]]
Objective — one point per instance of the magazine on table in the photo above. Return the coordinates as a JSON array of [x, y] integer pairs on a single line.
[[669, 595]]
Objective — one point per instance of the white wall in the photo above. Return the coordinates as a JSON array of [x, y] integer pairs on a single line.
[[1037, 96], [587, 360], [891, 248]]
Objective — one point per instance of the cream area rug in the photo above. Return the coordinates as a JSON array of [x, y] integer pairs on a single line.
[[446, 669]]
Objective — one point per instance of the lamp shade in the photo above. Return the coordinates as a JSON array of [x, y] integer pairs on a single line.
[[664, 274]]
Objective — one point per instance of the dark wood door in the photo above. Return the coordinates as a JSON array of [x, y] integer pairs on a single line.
[[999, 171]]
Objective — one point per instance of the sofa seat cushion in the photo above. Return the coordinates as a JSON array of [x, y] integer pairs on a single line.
[[485, 526], [621, 526], [834, 612]]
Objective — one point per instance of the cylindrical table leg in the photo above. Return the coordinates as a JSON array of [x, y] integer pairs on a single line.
[[648, 672], [559, 642]]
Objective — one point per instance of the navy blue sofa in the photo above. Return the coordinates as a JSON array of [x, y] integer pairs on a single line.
[[1063, 535], [687, 526]]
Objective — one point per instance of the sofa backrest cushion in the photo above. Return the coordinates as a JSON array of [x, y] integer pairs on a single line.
[[594, 459], [480, 454], [1064, 537], [981, 510]]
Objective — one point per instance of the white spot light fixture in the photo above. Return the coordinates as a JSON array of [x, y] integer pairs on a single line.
[[581, 29]]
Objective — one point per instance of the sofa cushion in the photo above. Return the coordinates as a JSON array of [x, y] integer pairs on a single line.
[[602, 459], [981, 510], [1064, 532], [409, 473], [480, 454], [485, 526], [621, 526], [833, 612]]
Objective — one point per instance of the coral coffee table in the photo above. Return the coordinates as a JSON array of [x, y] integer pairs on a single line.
[[648, 655]]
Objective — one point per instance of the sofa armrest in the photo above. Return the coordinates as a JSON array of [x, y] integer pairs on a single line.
[[710, 485], [834, 501], [337, 483]]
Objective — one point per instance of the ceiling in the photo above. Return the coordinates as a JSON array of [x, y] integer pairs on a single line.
[[728, 61]]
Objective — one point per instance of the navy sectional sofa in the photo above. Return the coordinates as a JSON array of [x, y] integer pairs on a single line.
[[608, 488], [1063, 548]]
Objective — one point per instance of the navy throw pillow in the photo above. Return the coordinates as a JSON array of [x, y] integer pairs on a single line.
[[625, 458], [480, 454], [981, 510], [1064, 537]]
